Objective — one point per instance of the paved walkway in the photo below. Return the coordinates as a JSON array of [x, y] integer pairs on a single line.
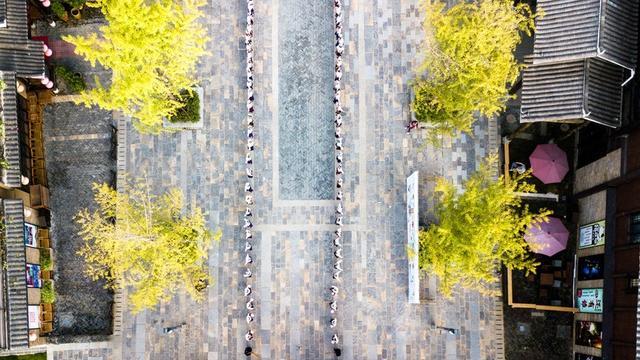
[[293, 245]]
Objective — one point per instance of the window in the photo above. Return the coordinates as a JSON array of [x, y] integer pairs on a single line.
[[634, 231]]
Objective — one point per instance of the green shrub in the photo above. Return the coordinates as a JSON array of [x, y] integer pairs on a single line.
[[45, 260], [47, 294], [58, 8], [75, 3], [74, 81], [190, 111]]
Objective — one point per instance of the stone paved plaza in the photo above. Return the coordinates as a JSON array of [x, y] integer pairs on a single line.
[[294, 215]]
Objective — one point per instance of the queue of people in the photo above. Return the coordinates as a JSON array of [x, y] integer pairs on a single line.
[[248, 187], [339, 213]]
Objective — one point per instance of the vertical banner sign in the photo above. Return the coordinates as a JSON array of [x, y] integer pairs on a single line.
[[412, 238]]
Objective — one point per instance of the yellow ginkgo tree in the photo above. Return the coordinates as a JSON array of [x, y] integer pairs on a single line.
[[152, 49], [478, 230], [145, 244], [468, 61]]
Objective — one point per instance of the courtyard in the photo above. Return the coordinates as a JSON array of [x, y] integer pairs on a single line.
[[294, 192], [293, 217]]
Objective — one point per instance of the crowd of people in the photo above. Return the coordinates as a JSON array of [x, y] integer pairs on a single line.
[[339, 213], [248, 188]]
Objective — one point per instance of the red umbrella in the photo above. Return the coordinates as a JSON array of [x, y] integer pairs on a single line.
[[549, 163], [548, 238]]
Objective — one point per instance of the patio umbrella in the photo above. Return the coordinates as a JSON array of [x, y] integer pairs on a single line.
[[549, 163], [547, 238]]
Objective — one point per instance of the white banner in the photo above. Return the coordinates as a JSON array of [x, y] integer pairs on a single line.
[[412, 238]]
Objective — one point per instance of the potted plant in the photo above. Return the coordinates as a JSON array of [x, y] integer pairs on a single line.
[[75, 12], [58, 8]]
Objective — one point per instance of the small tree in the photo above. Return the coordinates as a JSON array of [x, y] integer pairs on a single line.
[[143, 242], [469, 61], [478, 229], [152, 49]]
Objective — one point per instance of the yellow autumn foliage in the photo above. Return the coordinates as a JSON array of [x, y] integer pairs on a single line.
[[479, 229], [144, 243], [152, 49], [468, 61]]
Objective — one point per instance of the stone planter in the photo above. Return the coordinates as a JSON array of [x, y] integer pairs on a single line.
[[188, 125]]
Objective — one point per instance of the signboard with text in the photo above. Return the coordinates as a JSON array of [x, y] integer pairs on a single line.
[[589, 300], [34, 316], [591, 235], [412, 235]]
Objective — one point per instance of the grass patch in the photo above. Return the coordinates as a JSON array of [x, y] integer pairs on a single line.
[[190, 112]]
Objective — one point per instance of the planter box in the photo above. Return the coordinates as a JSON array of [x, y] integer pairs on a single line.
[[47, 275], [43, 238], [39, 196], [188, 125]]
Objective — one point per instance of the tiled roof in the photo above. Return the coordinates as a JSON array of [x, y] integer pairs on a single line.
[[3, 12], [16, 285], [18, 53], [573, 90], [11, 145], [578, 29], [583, 50]]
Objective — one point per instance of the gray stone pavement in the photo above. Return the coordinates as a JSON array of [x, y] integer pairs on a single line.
[[293, 245], [78, 154]]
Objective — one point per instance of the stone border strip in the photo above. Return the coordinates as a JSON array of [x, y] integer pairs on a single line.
[[121, 168], [498, 311]]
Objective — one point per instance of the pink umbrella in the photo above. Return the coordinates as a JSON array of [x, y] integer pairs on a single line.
[[549, 163], [547, 238]]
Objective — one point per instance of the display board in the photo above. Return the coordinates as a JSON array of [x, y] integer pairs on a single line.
[[589, 333], [34, 317], [30, 235], [589, 300], [591, 234], [413, 244], [591, 267], [33, 276]]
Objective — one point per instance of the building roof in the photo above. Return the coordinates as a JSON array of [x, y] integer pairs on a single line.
[[16, 284], [571, 91], [18, 53], [11, 175], [3, 13], [578, 29]]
